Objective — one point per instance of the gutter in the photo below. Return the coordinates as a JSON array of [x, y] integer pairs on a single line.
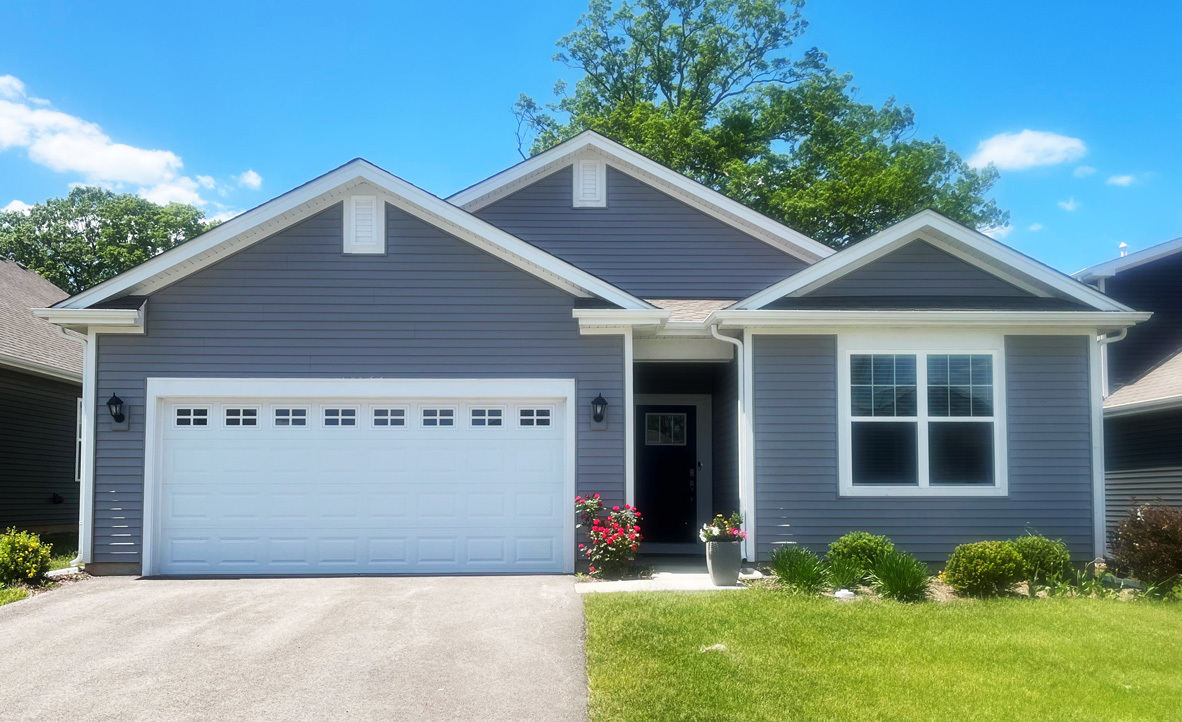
[[742, 435]]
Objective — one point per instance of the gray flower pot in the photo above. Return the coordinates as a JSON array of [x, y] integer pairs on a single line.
[[723, 559]]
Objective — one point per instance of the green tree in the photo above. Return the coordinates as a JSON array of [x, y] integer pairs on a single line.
[[711, 88], [93, 234]]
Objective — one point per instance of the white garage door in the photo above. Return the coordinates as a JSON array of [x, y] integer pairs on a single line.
[[361, 485]]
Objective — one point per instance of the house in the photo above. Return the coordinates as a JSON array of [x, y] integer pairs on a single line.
[[1143, 404], [40, 392], [361, 377]]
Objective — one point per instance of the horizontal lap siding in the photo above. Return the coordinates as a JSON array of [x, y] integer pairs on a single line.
[[1143, 460], [294, 306], [796, 455], [38, 443], [646, 242]]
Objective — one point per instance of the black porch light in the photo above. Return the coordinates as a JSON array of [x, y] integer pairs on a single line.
[[598, 408], [115, 406]]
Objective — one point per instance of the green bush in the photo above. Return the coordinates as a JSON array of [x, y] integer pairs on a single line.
[[898, 575], [1147, 544], [862, 548], [845, 573], [984, 569], [1044, 558], [23, 558], [798, 568]]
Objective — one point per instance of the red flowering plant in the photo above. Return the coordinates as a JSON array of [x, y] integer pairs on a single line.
[[613, 536]]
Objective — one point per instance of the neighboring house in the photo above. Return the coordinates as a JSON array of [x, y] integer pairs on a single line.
[[40, 394], [1143, 404], [359, 376]]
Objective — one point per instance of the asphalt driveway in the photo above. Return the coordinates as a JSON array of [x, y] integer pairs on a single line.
[[371, 648]]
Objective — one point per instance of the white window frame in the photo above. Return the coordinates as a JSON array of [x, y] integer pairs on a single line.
[[503, 418], [307, 417], [599, 200], [535, 425], [373, 416], [227, 408], [455, 416], [192, 407], [920, 344], [378, 247], [340, 407]]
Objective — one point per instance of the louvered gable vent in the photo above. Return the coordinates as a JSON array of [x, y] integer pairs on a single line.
[[365, 225], [590, 184]]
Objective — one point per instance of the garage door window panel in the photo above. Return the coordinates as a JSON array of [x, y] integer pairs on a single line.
[[241, 416], [340, 416], [434, 417], [534, 417], [290, 416], [389, 416], [191, 416], [485, 417]]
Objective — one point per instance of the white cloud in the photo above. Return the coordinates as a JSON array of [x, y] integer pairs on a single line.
[[222, 216], [1084, 171], [1069, 205], [997, 232], [17, 206], [68, 144], [1035, 227], [250, 179], [1027, 149], [1120, 180]]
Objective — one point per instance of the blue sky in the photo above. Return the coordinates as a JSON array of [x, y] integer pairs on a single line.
[[242, 103]]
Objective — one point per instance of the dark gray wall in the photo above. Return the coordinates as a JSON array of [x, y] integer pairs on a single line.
[[725, 404], [38, 442], [295, 306], [1143, 460], [1152, 287], [644, 241], [796, 455]]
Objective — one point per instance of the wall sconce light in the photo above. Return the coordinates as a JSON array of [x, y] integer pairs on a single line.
[[598, 408], [115, 406]]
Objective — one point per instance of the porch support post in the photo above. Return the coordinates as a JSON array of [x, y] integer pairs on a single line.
[[1096, 399], [629, 421]]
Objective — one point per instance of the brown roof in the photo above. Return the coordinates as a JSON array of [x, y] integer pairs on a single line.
[[1161, 382], [25, 337], [689, 309]]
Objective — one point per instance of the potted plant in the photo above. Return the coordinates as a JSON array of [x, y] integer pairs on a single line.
[[724, 554]]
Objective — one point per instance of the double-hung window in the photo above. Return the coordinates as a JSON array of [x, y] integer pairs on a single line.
[[922, 422]]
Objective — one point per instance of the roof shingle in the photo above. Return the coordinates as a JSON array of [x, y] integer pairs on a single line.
[[24, 336]]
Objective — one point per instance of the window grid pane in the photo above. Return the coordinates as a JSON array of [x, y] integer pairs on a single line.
[[340, 417], [882, 385], [960, 385], [487, 417], [389, 417]]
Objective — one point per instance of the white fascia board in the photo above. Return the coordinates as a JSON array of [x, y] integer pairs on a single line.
[[87, 317], [291, 207], [618, 320], [1142, 407], [1010, 264], [1108, 269], [685, 189], [39, 369], [1101, 320]]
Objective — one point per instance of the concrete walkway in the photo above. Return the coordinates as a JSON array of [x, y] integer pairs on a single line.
[[674, 581], [377, 648]]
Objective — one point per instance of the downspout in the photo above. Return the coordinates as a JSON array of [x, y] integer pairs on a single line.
[[742, 398], [1104, 341], [1099, 367]]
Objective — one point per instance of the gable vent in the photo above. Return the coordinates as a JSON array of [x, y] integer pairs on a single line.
[[365, 225], [590, 184]]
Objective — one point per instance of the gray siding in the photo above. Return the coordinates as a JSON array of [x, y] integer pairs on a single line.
[[796, 455], [644, 241], [725, 404], [38, 442], [295, 306], [1143, 460], [1151, 287], [919, 269]]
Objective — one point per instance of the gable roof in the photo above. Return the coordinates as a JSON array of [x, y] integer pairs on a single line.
[[966, 244], [591, 144], [27, 342], [1124, 263], [1158, 388], [327, 190]]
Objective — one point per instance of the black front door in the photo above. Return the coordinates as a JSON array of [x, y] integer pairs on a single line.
[[666, 472]]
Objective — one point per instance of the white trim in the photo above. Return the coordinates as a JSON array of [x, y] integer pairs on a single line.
[[682, 348], [173, 389], [351, 246], [1096, 395], [704, 490], [629, 420], [688, 191], [940, 231], [129, 318], [1140, 407], [599, 198], [921, 345], [39, 369], [747, 488], [1108, 269], [765, 318], [86, 490], [293, 206]]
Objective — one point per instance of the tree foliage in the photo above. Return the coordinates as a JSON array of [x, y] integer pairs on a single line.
[[93, 234], [711, 88]]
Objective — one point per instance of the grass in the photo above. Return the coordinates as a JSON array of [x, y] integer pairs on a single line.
[[811, 658], [14, 594], [65, 548]]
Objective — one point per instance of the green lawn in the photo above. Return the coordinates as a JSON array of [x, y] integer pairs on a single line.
[[65, 548], [796, 658], [12, 595]]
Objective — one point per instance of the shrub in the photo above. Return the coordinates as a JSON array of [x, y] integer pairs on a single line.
[[1147, 544], [862, 548], [798, 568], [1044, 558], [845, 573], [898, 575], [614, 537], [23, 558], [984, 569]]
